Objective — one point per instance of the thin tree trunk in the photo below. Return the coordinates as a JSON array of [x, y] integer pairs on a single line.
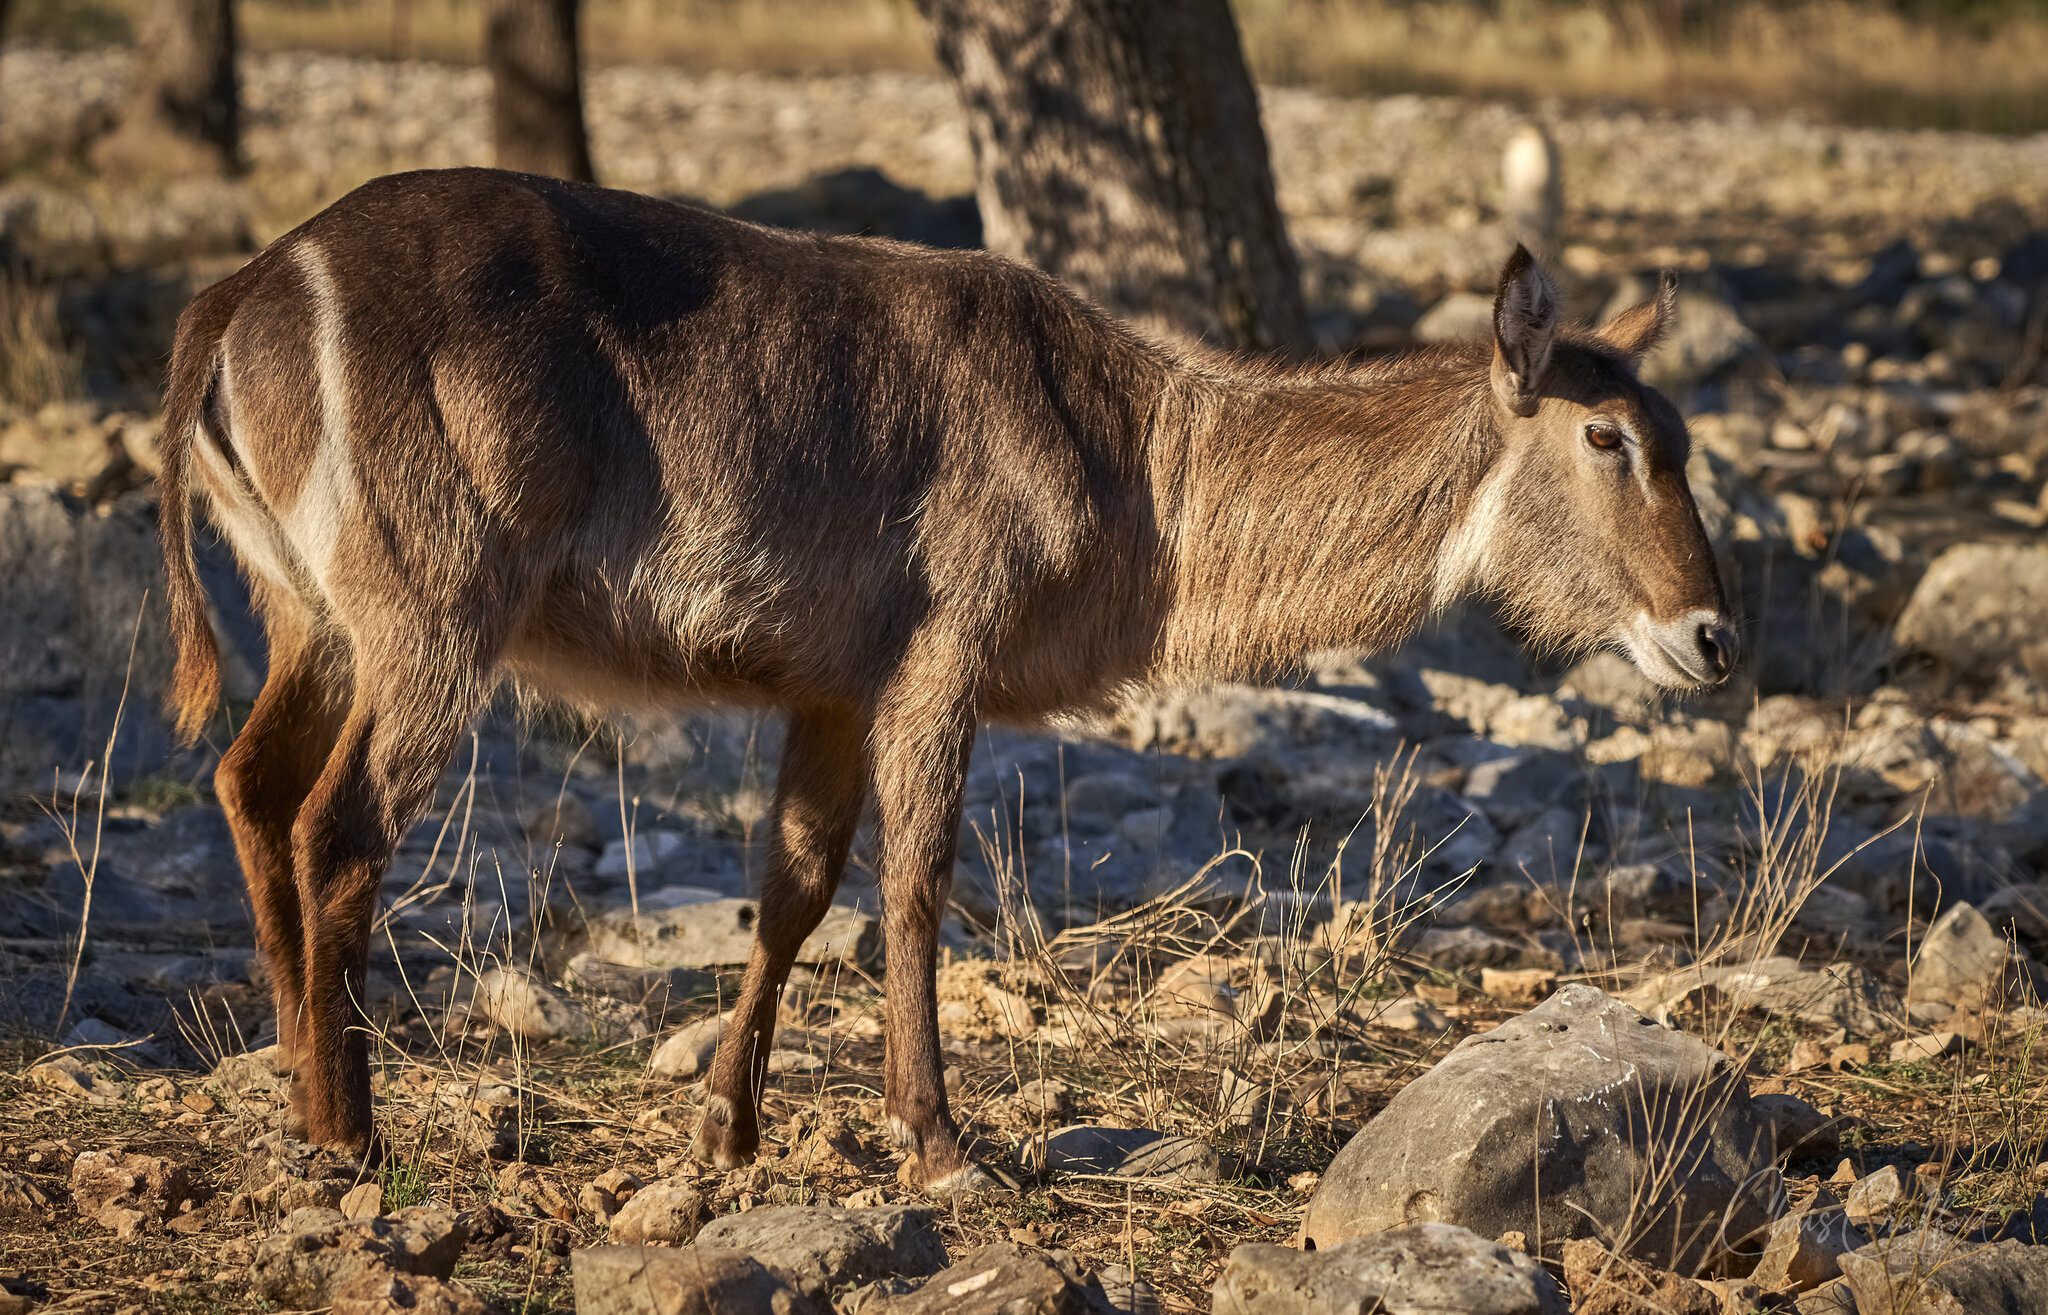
[[537, 88], [1117, 145], [183, 112]]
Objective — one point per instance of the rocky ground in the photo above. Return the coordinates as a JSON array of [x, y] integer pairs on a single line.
[[1560, 994]]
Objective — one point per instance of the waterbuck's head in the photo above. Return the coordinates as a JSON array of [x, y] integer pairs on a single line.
[[1591, 535]]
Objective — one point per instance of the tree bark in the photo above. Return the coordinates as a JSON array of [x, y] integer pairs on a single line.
[[1117, 145], [537, 88], [183, 111]]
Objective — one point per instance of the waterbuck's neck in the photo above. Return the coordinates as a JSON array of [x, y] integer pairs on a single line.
[[1312, 512]]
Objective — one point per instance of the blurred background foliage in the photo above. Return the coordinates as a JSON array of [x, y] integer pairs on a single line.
[[1952, 64]]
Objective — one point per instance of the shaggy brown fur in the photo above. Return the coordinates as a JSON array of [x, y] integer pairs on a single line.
[[468, 425]]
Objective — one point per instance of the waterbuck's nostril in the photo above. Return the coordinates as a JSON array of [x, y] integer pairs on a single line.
[[1717, 645]]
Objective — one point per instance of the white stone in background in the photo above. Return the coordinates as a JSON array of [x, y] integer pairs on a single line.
[[688, 1051], [680, 927], [1964, 962], [644, 857], [1980, 607], [527, 1006]]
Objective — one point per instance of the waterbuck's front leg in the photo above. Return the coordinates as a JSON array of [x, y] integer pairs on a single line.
[[921, 742], [818, 793]]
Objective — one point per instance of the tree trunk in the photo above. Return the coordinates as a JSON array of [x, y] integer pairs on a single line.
[[537, 88], [1117, 145], [183, 112]]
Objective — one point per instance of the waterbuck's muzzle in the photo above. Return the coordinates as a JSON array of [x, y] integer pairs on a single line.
[[1696, 648]]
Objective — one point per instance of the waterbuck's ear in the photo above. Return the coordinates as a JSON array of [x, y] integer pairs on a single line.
[[1636, 332], [1524, 322]]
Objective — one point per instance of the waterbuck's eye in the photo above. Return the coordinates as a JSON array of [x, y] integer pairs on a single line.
[[1604, 436]]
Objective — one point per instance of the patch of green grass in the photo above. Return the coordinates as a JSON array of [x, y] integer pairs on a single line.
[[404, 1184], [160, 792], [1924, 1075]]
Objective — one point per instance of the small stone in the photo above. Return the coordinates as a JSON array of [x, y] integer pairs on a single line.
[[1518, 986], [528, 1007], [1082, 1148], [242, 1076], [67, 1075], [719, 933], [1798, 1130], [1963, 963], [1929, 1045], [602, 1196], [1126, 1293], [667, 1213], [363, 1201], [565, 820], [1876, 1197], [689, 1050], [1803, 1250]]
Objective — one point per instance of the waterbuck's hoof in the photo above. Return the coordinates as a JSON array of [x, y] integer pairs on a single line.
[[723, 1140], [351, 1157], [971, 1182]]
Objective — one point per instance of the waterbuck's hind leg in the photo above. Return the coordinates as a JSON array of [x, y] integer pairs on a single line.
[[923, 733], [261, 782], [413, 697], [818, 794]]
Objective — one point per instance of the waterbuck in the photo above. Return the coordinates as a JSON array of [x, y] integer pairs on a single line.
[[466, 427]]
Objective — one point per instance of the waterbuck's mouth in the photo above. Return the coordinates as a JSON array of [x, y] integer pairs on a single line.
[[1692, 652]]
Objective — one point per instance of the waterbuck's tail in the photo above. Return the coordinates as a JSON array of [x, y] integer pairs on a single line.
[[195, 371]]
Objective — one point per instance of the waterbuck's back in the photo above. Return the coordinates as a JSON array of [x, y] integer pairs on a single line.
[[655, 450]]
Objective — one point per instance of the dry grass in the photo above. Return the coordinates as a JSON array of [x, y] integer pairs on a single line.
[[38, 363], [1857, 60], [1227, 1015]]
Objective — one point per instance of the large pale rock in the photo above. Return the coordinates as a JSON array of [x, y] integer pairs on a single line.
[[1571, 1120], [1416, 1269], [819, 1248], [719, 933], [1981, 607], [1001, 1279], [317, 1253], [685, 1281]]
